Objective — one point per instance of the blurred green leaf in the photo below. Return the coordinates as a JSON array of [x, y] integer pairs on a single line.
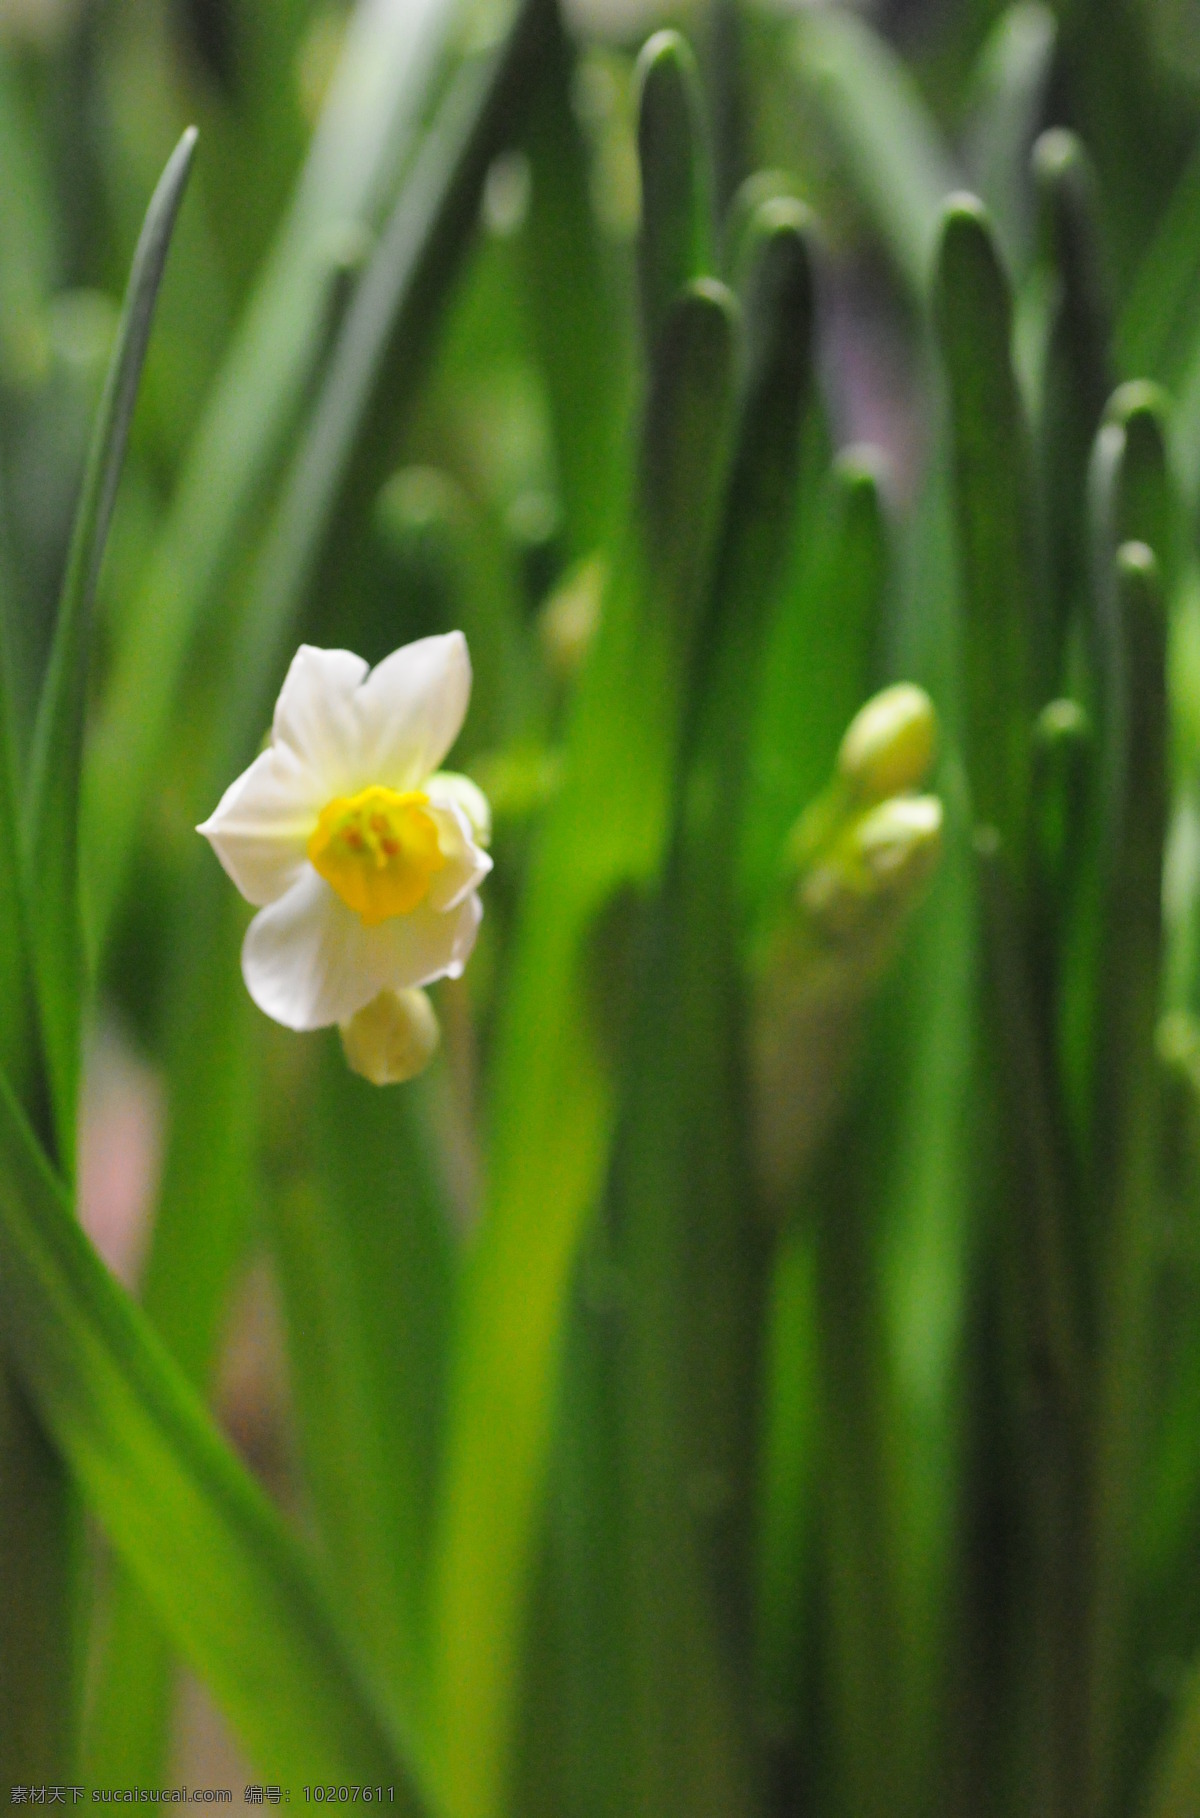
[[1174, 1788], [551, 1102], [687, 1238], [51, 816], [200, 1229], [1006, 105], [675, 235], [788, 1478], [1157, 327], [226, 1580], [894, 157], [367, 126], [41, 1609], [367, 1263], [29, 268], [1076, 375], [1124, 1177], [1001, 584], [826, 627], [577, 307]]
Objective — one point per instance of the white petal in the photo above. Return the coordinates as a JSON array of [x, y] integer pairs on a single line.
[[448, 787], [466, 864], [416, 949], [411, 708], [301, 959], [261, 825], [317, 718], [308, 959]]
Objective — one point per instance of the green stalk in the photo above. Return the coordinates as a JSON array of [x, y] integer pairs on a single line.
[[1012, 648], [552, 1088], [857, 1460], [1076, 377], [1126, 1142], [575, 306], [689, 1236]]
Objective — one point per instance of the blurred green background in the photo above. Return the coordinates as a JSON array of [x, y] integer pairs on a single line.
[[756, 1370]]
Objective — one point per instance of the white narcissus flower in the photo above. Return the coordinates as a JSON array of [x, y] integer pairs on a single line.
[[362, 856]]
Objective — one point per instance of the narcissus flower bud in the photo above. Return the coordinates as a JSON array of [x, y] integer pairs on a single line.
[[391, 1039], [877, 870], [889, 745]]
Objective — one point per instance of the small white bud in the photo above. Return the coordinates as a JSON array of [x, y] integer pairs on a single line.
[[391, 1039]]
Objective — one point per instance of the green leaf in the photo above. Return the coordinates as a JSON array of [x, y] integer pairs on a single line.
[[551, 1098], [1159, 324], [369, 121], [787, 1485], [200, 1229], [226, 1580], [367, 1265], [51, 820], [826, 627], [1175, 1779], [41, 1612], [1008, 96], [686, 1239], [1133, 491], [1076, 375], [675, 237], [1124, 1177], [577, 309], [1001, 589], [27, 273], [893, 155]]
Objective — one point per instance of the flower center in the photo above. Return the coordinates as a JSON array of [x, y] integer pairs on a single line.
[[378, 849]]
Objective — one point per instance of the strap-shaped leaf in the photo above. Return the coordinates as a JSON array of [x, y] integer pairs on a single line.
[[994, 507], [1076, 372], [1126, 1132], [687, 1240], [826, 627], [552, 1090], [887, 140], [1009, 93], [227, 1581], [675, 236], [51, 818]]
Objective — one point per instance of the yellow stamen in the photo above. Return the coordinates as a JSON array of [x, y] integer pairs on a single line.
[[378, 849]]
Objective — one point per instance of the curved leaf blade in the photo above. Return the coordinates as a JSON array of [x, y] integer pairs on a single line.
[[52, 807], [227, 1581]]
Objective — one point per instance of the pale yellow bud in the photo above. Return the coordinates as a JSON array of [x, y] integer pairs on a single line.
[[890, 744], [877, 869], [393, 1038], [900, 842]]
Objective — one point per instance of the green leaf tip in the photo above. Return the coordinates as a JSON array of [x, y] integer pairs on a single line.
[[861, 468], [968, 259], [1137, 564], [675, 238], [965, 222], [1139, 398]]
